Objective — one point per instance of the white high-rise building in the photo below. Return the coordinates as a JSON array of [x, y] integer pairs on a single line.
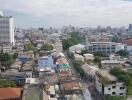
[[1, 13], [7, 30]]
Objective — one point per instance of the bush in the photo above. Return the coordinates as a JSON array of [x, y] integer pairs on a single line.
[[47, 47], [124, 77], [108, 97], [77, 65], [7, 83], [97, 59]]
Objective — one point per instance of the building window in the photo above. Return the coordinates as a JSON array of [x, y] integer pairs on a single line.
[[113, 93], [109, 88], [121, 88], [121, 93], [113, 87]]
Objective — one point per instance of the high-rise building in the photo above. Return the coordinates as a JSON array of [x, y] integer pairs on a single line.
[[1, 13], [7, 30], [130, 26]]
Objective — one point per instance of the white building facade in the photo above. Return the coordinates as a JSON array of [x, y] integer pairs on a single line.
[[105, 47], [7, 30], [114, 88]]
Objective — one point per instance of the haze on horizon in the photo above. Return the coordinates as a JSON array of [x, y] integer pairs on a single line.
[[56, 13]]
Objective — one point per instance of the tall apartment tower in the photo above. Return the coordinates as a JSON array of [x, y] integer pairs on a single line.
[[1, 13], [6, 29]]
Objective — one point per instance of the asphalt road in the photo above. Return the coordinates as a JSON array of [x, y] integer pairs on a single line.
[[86, 85]]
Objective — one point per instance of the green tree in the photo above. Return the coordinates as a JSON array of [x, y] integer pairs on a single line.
[[115, 38], [124, 77], [108, 97], [99, 54], [47, 47], [75, 39], [15, 55], [30, 47], [123, 53], [77, 65], [84, 51], [97, 59], [7, 83]]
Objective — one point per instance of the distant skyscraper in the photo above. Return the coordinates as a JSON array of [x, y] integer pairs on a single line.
[[130, 26], [7, 30], [1, 13]]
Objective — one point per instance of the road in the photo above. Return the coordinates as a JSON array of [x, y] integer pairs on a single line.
[[87, 86]]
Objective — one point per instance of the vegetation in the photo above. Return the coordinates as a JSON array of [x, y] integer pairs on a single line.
[[126, 77], [75, 39], [115, 38], [123, 53], [115, 98], [30, 46], [77, 65], [15, 55], [97, 59], [84, 51], [99, 54], [47, 47], [7, 83], [6, 59]]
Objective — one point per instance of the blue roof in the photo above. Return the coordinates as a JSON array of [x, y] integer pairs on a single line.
[[23, 58], [46, 61]]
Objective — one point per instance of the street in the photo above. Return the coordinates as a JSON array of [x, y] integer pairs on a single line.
[[89, 91]]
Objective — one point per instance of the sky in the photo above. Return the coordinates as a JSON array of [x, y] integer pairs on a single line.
[[56, 13]]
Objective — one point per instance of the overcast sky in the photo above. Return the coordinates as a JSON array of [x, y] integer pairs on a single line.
[[56, 13]]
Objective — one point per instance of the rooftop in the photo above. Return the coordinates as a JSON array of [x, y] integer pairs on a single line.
[[102, 42], [128, 42], [71, 86], [33, 92], [106, 76], [8, 93], [110, 61]]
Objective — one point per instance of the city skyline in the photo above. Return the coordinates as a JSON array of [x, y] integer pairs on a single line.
[[56, 13]]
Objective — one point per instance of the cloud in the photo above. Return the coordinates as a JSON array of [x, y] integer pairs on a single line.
[[83, 10]]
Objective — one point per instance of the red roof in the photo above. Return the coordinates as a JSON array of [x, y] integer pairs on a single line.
[[10, 93], [128, 42]]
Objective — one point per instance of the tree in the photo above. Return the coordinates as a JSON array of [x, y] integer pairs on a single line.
[[15, 55], [99, 54], [115, 38], [97, 59], [77, 64], [108, 97], [75, 39], [123, 53], [30, 47], [47, 47], [7, 83], [6, 59], [84, 51], [124, 77]]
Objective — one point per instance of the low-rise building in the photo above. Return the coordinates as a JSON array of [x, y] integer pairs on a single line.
[[71, 88], [108, 64], [46, 62], [88, 57], [78, 57], [107, 84], [77, 48], [10, 93], [114, 57], [7, 48], [90, 71], [63, 64]]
